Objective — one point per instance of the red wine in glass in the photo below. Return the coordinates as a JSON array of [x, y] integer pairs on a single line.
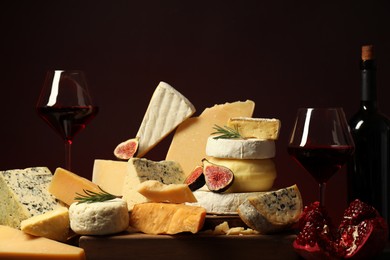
[[322, 162], [68, 121], [65, 104], [321, 143]]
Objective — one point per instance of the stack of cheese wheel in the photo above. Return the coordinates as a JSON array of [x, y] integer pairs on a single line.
[[250, 158]]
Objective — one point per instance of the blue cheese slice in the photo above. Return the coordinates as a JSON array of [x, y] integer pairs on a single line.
[[140, 170], [167, 109], [24, 194], [272, 211]]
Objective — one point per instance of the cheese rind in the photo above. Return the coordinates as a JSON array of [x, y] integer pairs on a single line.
[[156, 191], [188, 146], [240, 148], [250, 175], [109, 175], [52, 224], [221, 203], [166, 110], [272, 211], [141, 169], [15, 244], [260, 128], [166, 218], [65, 185], [99, 218], [24, 194]]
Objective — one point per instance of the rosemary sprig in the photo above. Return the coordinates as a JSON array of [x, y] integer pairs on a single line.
[[226, 132], [92, 196]]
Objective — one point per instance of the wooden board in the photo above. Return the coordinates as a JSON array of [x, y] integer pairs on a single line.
[[188, 246]]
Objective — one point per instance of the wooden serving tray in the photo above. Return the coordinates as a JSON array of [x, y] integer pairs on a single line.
[[188, 246]]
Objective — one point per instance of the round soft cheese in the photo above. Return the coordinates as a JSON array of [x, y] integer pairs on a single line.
[[99, 218], [240, 148], [249, 175]]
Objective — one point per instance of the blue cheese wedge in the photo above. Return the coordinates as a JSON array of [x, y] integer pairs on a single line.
[[140, 170], [272, 211], [24, 194], [166, 110]]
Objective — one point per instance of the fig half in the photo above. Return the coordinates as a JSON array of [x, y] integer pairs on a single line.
[[218, 178], [196, 179], [126, 150]]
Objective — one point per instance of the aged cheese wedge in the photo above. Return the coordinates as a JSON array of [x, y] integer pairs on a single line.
[[109, 175], [249, 175], [261, 128], [167, 109], [156, 191], [141, 169], [17, 245], [188, 146], [272, 211], [23, 194], [52, 224], [240, 148], [99, 218], [65, 184], [165, 218]]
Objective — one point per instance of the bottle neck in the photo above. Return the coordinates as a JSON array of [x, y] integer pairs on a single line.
[[368, 85]]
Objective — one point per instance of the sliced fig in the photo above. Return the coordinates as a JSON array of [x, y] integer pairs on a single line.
[[126, 150], [218, 178], [196, 179]]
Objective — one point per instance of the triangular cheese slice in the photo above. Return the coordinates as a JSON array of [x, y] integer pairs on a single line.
[[167, 109], [188, 146], [15, 244]]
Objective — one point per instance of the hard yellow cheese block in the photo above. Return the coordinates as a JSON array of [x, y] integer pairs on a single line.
[[53, 224], [188, 146], [260, 128], [65, 184], [15, 244], [164, 218], [159, 192], [109, 175]]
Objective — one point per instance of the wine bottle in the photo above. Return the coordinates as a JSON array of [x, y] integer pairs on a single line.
[[369, 170]]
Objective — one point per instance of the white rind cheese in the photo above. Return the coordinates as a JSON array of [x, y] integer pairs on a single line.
[[166, 110], [240, 148], [141, 169], [221, 203], [272, 211], [261, 128], [24, 194], [99, 218]]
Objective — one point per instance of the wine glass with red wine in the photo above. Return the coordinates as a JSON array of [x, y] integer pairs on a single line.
[[321, 143], [66, 105]]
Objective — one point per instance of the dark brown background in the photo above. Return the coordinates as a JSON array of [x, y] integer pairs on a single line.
[[281, 54]]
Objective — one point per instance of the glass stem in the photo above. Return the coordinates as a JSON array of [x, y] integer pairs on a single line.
[[68, 148], [322, 194]]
